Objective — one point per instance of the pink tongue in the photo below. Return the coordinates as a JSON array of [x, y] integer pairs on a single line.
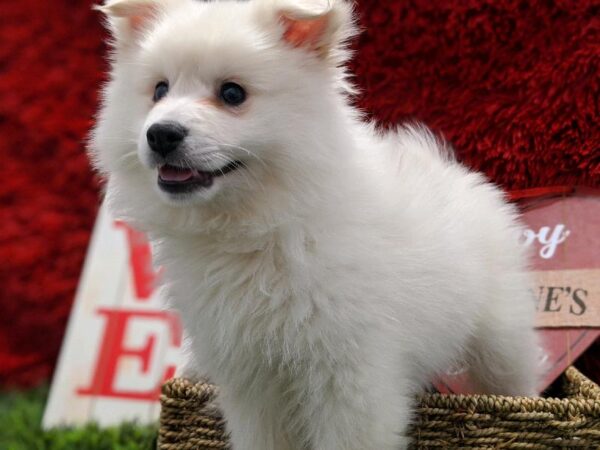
[[174, 174]]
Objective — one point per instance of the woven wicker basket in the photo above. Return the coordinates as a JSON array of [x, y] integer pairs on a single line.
[[189, 420]]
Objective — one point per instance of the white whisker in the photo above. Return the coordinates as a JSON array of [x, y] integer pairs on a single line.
[[250, 153], [245, 172]]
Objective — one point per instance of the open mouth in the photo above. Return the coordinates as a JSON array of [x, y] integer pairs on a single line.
[[176, 180]]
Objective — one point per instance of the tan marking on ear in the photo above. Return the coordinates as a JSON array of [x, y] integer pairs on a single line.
[[137, 22], [137, 12], [307, 33]]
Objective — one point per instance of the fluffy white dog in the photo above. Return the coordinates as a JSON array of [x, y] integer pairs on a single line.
[[324, 271]]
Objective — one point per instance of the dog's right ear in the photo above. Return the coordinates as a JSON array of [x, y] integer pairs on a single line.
[[320, 27], [128, 19]]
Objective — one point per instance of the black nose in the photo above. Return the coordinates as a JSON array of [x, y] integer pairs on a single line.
[[165, 137]]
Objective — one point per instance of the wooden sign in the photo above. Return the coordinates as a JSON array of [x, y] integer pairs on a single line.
[[564, 237], [121, 343]]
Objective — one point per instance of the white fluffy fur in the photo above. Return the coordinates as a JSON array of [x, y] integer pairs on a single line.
[[325, 283]]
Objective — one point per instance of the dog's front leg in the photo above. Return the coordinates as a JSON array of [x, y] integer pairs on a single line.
[[368, 415], [253, 424]]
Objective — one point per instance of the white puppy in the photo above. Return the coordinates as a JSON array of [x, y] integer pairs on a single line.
[[324, 271]]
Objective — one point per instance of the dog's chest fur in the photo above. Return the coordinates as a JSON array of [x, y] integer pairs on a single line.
[[258, 307]]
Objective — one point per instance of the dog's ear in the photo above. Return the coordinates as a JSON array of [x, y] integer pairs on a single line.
[[128, 19], [320, 26]]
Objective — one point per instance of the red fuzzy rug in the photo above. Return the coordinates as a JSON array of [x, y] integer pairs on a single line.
[[513, 84]]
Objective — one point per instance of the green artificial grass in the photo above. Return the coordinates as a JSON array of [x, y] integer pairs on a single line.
[[21, 416]]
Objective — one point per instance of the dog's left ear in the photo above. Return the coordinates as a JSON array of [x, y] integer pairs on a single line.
[[129, 18], [319, 26]]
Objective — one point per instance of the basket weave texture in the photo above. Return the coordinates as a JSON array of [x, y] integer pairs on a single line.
[[190, 420]]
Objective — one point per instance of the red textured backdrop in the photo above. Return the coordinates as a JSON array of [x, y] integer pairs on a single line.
[[513, 84]]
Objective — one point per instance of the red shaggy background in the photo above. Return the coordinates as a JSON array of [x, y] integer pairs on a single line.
[[513, 84]]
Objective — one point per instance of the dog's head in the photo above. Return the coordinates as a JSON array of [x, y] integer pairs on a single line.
[[211, 105]]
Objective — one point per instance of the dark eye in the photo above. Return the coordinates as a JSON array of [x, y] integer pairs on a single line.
[[160, 91], [232, 94]]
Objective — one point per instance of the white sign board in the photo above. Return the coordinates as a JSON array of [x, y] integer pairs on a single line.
[[121, 344]]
